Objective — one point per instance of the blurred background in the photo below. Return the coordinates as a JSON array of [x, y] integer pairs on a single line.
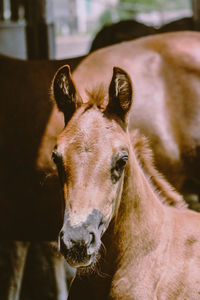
[[68, 27]]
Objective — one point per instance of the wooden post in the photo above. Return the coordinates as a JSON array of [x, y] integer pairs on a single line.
[[196, 13], [14, 6], [40, 29], [1, 10]]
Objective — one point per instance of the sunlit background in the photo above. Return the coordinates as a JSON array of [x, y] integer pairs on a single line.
[[77, 21]]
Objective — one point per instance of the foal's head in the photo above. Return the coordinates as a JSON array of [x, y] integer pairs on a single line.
[[91, 155]]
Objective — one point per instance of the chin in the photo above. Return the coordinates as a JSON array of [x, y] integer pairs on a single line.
[[87, 263]]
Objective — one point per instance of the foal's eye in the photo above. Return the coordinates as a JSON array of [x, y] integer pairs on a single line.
[[118, 165], [56, 157], [121, 162]]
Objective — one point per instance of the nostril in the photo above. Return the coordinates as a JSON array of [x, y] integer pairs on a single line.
[[65, 244], [91, 238], [91, 243]]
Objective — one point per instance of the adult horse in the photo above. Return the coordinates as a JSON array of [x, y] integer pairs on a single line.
[[151, 247], [127, 30], [165, 70]]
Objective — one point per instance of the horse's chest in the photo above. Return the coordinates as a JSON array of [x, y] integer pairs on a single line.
[[134, 283]]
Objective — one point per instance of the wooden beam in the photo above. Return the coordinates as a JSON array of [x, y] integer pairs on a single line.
[[1, 10], [196, 13], [14, 7], [40, 29]]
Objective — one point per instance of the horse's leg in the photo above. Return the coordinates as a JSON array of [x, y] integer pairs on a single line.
[[60, 275], [12, 261], [63, 273], [45, 274]]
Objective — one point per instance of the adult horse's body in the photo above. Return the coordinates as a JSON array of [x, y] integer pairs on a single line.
[[127, 30], [151, 248], [166, 73]]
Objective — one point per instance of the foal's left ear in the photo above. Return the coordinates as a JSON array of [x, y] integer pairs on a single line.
[[120, 94], [64, 92]]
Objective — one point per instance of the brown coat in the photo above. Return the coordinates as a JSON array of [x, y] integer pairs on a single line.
[[165, 70]]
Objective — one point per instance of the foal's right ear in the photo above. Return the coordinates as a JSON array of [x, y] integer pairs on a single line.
[[64, 92]]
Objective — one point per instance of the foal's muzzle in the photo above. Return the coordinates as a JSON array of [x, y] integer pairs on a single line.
[[80, 244]]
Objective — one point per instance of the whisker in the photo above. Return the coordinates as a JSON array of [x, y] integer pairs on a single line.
[[103, 248]]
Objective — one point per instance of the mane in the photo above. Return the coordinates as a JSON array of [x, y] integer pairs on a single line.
[[165, 191]]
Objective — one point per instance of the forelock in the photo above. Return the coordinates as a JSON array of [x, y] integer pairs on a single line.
[[98, 96]]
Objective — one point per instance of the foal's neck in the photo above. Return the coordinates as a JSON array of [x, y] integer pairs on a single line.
[[140, 215], [137, 237]]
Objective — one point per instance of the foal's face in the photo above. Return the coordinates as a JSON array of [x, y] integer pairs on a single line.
[[91, 154]]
